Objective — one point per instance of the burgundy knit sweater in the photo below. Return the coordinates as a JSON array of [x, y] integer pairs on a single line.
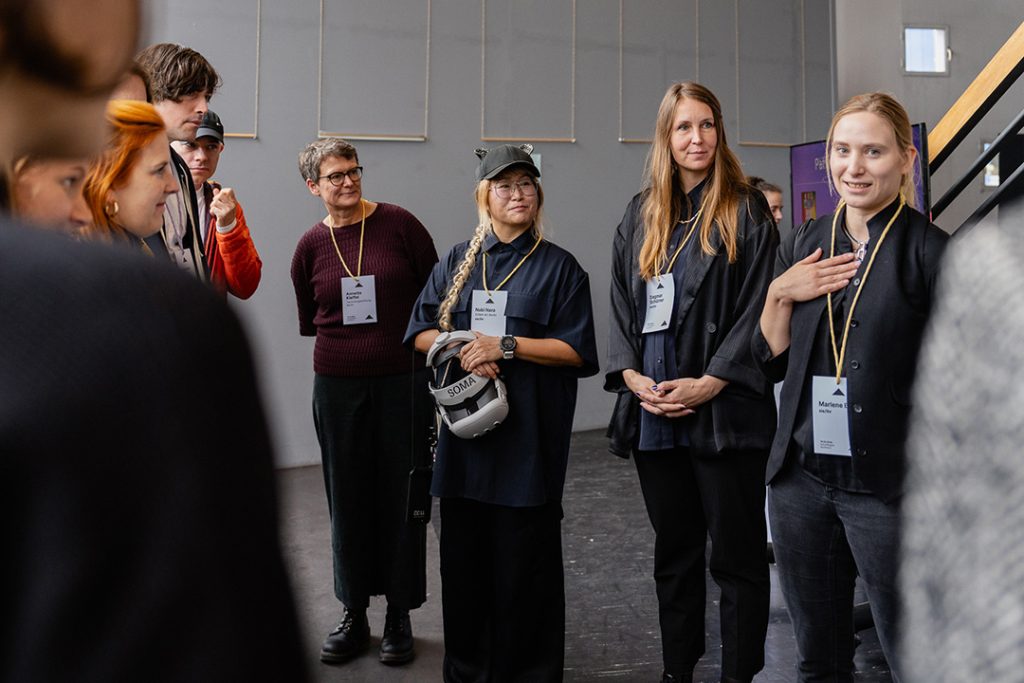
[[400, 254]]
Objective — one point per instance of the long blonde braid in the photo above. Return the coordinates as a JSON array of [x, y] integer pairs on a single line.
[[444, 313]]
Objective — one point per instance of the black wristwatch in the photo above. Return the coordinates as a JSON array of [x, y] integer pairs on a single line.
[[508, 347]]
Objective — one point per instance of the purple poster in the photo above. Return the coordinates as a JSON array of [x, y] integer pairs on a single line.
[[812, 196]]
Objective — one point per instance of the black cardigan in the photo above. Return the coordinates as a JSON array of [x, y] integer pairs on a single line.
[[890, 320], [718, 309]]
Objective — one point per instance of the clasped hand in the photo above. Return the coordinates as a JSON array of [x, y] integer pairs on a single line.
[[673, 397], [481, 356]]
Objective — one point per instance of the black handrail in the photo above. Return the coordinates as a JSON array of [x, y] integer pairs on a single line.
[[979, 163], [990, 203]]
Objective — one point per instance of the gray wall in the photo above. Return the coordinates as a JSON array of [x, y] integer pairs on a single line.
[[526, 79], [868, 53]]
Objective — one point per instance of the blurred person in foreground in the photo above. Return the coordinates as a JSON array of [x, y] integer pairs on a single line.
[[962, 576], [47, 192], [140, 538]]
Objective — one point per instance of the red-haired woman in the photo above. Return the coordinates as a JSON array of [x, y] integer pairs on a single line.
[[128, 185], [691, 263]]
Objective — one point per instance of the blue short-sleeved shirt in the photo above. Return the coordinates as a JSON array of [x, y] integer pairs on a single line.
[[522, 462]]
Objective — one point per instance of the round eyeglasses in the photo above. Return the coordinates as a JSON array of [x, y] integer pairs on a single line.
[[338, 179], [527, 188]]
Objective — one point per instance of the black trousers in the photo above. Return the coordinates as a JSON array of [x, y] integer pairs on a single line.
[[371, 429], [689, 497], [503, 592]]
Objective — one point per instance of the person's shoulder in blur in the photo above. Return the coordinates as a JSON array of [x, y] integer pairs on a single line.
[[144, 527], [140, 540], [964, 509]]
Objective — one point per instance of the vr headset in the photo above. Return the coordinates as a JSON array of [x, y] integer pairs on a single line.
[[469, 404]]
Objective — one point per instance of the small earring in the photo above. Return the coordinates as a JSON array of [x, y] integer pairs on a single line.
[[111, 209]]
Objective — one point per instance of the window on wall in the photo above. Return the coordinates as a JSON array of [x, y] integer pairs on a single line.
[[926, 50], [990, 177]]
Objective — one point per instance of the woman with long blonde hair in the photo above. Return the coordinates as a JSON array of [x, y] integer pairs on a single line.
[[692, 259], [128, 185], [847, 348], [527, 303]]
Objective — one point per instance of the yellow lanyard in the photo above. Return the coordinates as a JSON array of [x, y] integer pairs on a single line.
[[509, 276], [686, 239], [362, 232], [839, 355]]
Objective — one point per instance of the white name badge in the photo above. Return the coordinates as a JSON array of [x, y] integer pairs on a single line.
[[358, 300], [488, 315], [831, 420], [661, 292]]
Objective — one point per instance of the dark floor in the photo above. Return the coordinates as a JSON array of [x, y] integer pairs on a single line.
[[611, 609]]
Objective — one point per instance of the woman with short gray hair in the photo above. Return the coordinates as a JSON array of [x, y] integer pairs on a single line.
[[356, 275]]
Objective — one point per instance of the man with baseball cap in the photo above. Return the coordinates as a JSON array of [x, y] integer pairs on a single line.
[[230, 255]]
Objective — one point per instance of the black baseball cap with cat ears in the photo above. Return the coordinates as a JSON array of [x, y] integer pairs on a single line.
[[494, 161]]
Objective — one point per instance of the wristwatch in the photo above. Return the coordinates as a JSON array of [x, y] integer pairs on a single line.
[[508, 347]]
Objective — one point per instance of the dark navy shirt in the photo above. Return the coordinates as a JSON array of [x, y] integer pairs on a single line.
[[522, 462], [659, 348]]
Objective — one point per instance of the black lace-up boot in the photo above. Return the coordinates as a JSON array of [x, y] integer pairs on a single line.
[[349, 638], [396, 644]]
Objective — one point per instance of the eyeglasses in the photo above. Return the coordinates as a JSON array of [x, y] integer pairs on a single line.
[[527, 188], [338, 179]]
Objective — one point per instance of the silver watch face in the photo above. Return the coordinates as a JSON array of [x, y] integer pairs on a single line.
[[508, 343]]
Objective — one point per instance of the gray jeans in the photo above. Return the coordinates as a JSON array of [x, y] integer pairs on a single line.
[[823, 538]]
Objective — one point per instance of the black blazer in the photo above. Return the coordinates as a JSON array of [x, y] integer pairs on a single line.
[[881, 353], [718, 309]]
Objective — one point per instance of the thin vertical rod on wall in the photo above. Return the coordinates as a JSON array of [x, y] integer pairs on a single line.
[[803, 68], [572, 88], [320, 75], [426, 89], [483, 87], [621, 34], [483, 65], [739, 105], [696, 40], [377, 137], [256, 91], [833, 68], [696, 61], [259, 49]]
